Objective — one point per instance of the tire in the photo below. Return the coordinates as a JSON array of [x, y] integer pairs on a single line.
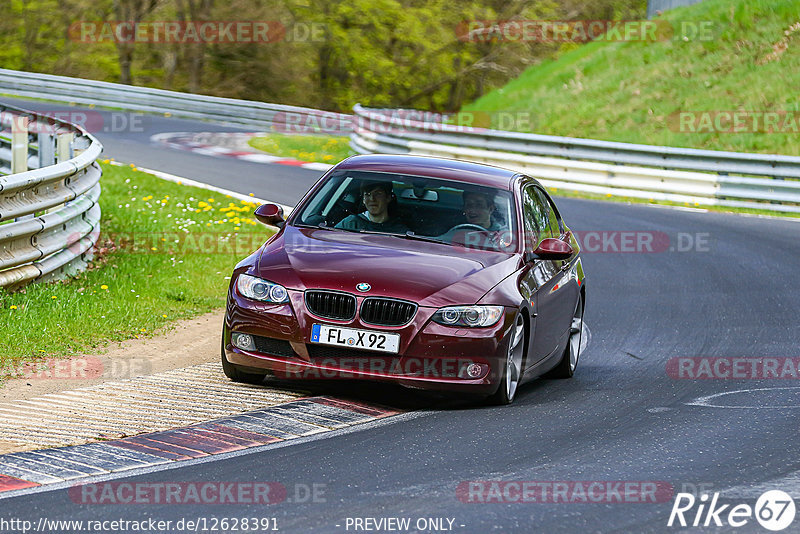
[[512, 371], [235, 374], [569, 360]]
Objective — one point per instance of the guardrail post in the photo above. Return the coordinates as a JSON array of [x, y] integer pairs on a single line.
[[64, 147], [19, 150], [64, 152], [47, 150], [19, 144], [47, 154]]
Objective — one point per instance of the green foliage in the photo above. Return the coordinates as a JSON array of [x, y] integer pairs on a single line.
[[634, 91]]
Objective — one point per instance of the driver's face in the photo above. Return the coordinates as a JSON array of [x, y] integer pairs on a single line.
[[376, 201], [477, 211]]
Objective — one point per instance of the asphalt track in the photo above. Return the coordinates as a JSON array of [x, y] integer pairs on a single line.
[[621, 418]]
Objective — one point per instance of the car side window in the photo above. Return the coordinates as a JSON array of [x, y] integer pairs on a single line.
[[553, 225], [536, 223]]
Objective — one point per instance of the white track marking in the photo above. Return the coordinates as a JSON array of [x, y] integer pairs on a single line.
[[707, 400], [187, 181]]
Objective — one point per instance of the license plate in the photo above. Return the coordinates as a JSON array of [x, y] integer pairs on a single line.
[[355, 339]]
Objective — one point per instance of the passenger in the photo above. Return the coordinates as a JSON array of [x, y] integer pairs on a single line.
[[381, 213]]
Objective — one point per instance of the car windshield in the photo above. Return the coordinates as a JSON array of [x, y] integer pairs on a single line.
[[413, 207]]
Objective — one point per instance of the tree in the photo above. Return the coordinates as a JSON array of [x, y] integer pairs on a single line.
[[192, 11], [131, 11]]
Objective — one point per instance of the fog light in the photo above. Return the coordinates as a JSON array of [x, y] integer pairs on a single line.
[[243, 341], [474, 370]]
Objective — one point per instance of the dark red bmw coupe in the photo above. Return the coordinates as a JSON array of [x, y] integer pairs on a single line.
[[427, 272]]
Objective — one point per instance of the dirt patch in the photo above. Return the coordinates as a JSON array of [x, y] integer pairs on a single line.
[[191, 342]]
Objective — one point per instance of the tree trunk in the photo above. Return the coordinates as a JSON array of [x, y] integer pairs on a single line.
[[125, 58], [133, 11], [190, 12], [170, 62]]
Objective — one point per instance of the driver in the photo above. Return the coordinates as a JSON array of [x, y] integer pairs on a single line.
[[479, 208], [381, 213]]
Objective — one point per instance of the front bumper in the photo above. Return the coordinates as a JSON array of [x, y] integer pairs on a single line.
[[431, 356]]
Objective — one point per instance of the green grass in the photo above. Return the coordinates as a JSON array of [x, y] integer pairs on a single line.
[[131, 290], [633, 91], [313, 148]]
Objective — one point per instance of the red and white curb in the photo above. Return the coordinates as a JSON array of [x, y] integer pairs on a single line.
[[291, 420], [230, 145]]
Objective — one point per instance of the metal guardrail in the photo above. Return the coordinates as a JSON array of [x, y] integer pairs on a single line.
[[704, 177], [228, 111], [49, 215]]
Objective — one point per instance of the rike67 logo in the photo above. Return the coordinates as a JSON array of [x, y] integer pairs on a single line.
[[774, 510]]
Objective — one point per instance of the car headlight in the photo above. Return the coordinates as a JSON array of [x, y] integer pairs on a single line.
[[469, 316], [263, 290]]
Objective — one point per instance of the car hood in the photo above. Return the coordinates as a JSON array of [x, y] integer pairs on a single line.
[[430, 274]]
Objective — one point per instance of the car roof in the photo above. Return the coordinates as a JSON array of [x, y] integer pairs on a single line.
[[430, 167]]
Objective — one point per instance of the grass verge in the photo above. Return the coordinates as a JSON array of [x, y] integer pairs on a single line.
[[166, 252], [312, 148]]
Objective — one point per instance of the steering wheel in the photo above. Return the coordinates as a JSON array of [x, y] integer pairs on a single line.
[[468, 226]]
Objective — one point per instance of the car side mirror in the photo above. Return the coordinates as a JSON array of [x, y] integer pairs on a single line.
[[551, 249], [270, 214]]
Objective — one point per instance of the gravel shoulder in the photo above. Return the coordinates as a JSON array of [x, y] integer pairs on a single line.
[[190, 342]]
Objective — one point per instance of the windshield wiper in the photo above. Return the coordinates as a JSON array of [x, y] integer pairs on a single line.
[[415, 237], [300, 225]]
